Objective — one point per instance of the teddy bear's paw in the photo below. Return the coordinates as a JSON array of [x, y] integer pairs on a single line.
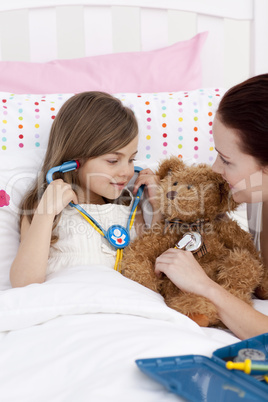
[[201, 319], [261, 293]]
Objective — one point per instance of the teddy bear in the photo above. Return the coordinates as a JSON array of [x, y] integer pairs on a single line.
[[194, 201]]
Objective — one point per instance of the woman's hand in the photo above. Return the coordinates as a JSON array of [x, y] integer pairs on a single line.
[[56, 197], [183, 270]]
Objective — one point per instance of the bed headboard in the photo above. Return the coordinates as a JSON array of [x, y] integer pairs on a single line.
[[236, 47]]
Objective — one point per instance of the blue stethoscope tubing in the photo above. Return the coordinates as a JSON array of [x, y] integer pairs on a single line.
[[72, 165]]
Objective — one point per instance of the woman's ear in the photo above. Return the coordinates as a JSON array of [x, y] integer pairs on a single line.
[[265, 169], [169, 166]]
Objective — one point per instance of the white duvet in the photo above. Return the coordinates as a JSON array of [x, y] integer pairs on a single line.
[[76, 337]]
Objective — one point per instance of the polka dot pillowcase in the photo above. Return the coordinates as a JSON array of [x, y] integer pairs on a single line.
[[178, 123]]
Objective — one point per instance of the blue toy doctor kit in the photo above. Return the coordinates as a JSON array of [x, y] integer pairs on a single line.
[[202, 379], [116, 235]]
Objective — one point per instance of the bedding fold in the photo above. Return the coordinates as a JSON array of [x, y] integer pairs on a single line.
[[84, 290]]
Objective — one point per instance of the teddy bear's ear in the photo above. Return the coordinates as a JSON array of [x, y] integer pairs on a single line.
[[227, 201], [173, 164]]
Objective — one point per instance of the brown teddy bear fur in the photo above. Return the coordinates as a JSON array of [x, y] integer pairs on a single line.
[[188, 194]]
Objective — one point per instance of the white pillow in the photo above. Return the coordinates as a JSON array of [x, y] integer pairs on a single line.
[[176, 123]]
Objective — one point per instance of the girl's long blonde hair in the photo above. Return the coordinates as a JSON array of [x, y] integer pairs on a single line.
[[88, 125]]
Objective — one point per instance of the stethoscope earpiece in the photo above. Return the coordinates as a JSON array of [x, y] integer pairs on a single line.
[[65, 167]]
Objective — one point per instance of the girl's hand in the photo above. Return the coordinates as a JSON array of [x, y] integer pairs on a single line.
[[151, 181], [56, 197], [183, 270]]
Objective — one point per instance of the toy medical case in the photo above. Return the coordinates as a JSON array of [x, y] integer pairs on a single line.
[[199, 378]]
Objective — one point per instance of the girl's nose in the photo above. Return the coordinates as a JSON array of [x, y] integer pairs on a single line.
[[126, 171]]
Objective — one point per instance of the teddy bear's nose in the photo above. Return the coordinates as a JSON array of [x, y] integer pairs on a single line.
[[171, 194]]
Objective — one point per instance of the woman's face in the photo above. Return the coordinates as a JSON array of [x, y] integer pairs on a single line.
[[248, 181]]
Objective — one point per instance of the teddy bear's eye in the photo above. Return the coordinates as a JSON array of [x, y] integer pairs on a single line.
[[189, 187], [175, 183]]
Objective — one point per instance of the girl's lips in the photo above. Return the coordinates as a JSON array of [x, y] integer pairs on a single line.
[[119, 185]]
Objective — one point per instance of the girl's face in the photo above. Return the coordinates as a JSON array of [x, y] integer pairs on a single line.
[[248, 181], [107, 175]]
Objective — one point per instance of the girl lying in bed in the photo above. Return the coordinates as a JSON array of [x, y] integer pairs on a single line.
[[240, 131], [98, 131]]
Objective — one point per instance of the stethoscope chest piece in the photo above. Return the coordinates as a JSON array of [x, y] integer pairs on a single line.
[[191, 241], [118, 236]]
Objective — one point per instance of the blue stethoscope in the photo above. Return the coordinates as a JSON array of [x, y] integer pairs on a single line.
[[117, 235]]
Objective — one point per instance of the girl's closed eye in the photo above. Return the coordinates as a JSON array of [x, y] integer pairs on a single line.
[[112, 161]]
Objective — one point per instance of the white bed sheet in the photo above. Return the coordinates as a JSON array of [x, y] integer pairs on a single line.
[[76, 338]]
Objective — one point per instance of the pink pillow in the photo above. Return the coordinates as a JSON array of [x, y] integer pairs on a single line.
[[173, 68]]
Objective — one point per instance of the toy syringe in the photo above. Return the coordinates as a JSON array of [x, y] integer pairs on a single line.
[[249, 366]]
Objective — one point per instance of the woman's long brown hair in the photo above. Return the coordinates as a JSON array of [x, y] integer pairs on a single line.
[[244, 108]]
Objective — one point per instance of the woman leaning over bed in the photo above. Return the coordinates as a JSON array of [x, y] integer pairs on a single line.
[[240, 131]]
